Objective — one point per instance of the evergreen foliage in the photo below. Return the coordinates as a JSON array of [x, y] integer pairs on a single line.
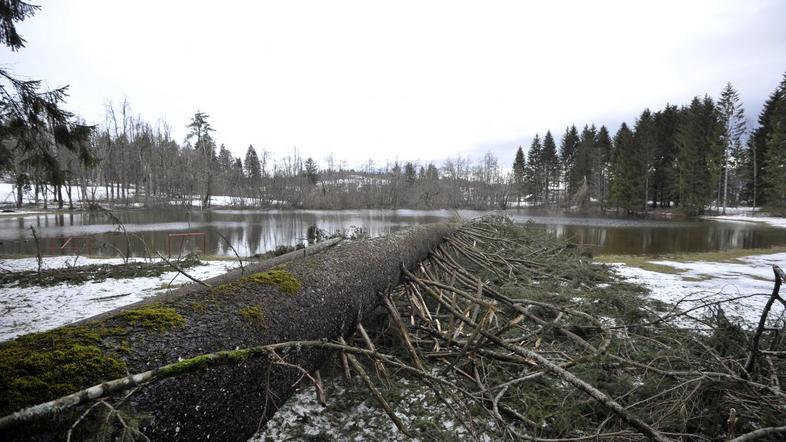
[[252, 166], [519, 170], [602, 163], [626, 184], [567, 153], [11, 12], [732, 119], [774, 177], [700, 154], [550, 166], [205, 146], [581, 173], [312, 171], [758, 148], [409, 173], [665, 185], [534, 172], [645, 138], [37, 137]]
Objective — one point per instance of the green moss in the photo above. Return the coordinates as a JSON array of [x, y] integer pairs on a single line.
[[44, 366], [277, 277], [253, 314], [124, 347], [282, 279], [186, 365], [226, 288], [236, 356], [154, 317], [199, 362]]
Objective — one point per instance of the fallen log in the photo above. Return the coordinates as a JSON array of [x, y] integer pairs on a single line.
[[319, 297]]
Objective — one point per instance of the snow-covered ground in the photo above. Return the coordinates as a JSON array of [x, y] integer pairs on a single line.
[[8, 194], [32, 309], [744, 285], [98, 193], [352, 415], [748, 215], [751, 217]]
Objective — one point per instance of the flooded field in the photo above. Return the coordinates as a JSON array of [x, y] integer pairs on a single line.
[[177, 231]]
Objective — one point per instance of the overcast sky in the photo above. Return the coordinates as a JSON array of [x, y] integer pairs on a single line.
[[410, 80]]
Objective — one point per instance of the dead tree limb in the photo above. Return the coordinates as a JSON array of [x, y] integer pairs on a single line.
[[779, 277]]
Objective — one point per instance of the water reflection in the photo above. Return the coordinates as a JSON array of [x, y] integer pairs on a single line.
[[252, 232]]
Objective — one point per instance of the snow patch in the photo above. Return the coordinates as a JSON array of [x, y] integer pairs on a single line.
[[742, 287], [751, 217], [33, 309]]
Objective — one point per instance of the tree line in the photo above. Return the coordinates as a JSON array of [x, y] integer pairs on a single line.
[[693, 157], [136, 162]]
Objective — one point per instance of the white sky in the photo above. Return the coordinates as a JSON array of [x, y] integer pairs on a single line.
[[408, 80]]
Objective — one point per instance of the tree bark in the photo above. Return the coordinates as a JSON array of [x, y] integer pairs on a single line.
[[336, 290]]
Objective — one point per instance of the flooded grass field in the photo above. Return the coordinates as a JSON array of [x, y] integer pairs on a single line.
[[255, 231]]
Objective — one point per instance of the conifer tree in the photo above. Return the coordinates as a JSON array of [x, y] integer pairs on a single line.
[[758, 148], [33, 126], [700, 152], [519, 171], [603, 148], [581, 174], [665, 184], [409, 173], [432, 174], [645, 139], [534, 169], [199, 130], [625, 171], [732, 120], [774, 176], [312, 171], [567, 152], [253, 171], [550, 165]]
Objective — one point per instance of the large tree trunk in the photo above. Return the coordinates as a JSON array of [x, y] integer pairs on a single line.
[[318, 297]]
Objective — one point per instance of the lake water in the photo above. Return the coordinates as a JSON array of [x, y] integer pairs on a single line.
[[256, 231]]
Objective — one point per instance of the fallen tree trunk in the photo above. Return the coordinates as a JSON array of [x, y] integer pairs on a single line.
[[320, 297]]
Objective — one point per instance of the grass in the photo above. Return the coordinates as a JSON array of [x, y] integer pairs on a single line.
[[645, 261]]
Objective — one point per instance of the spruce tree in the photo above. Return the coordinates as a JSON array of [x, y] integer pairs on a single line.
[[519, 171], [758, 148], [581, 174], [550, 165], [312, 171], [603, 148], [665, 186], [253, 170], [567, 153], [625, 171], [645, 139], [409, 173], [33, 126], [732, 120], [774, 177], [700, 152], [534, 170]]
